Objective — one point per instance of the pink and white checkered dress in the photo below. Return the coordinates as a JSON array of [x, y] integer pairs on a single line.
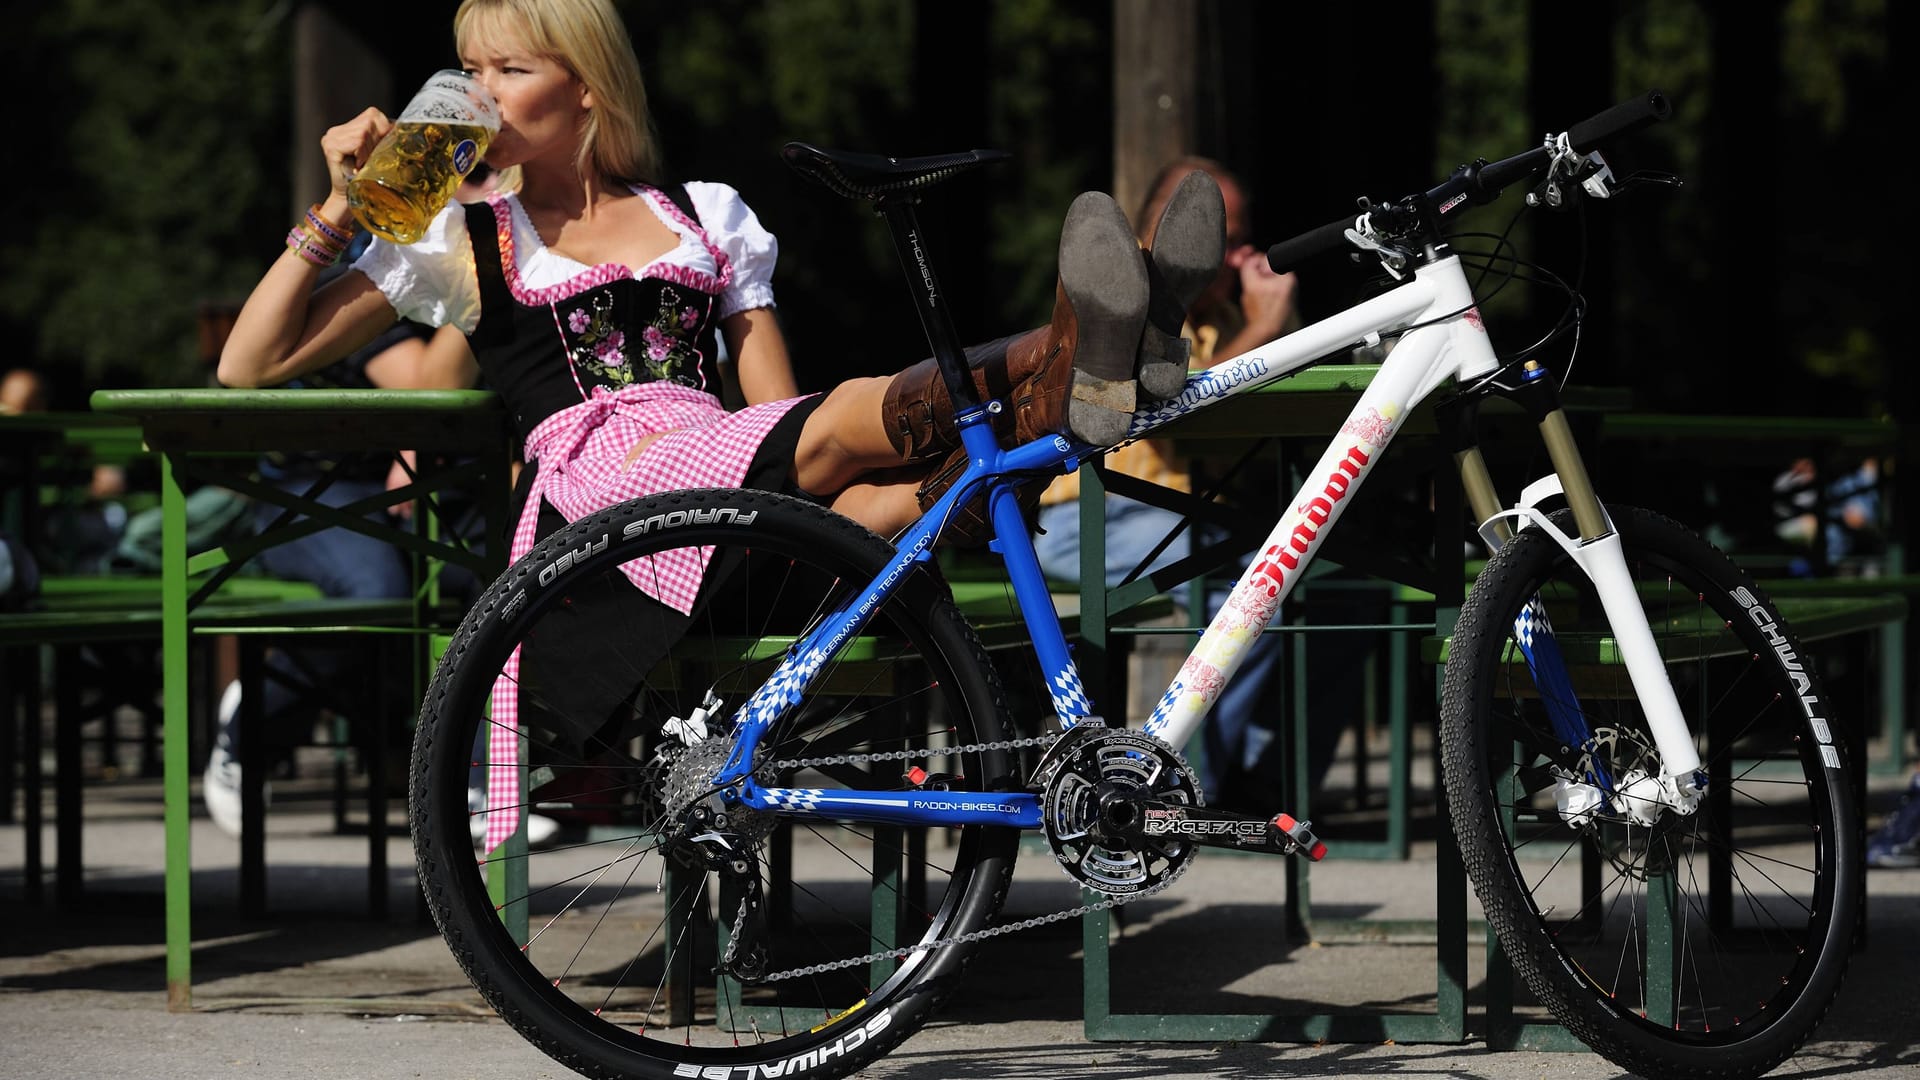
[[595, 358], [581, 452]]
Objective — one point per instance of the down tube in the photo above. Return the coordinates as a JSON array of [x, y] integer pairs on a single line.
[[1410, 373]]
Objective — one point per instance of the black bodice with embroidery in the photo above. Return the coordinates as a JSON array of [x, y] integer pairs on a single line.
[[544, 358]]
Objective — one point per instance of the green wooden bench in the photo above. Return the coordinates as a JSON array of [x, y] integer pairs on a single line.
[[82, 612]]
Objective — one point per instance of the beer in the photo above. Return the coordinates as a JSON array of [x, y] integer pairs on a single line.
[[414, 170]]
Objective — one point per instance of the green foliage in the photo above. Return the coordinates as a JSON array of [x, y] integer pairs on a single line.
[[147, 179], [732, 81], [1048, 58], [155, 177], [1822, 40], [1482, 66]]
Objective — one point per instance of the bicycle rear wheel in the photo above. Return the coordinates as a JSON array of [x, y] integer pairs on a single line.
[[601, 949], [1702, 943]]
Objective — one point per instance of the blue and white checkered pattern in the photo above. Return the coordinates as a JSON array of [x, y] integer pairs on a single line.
[[1533, 616], [782, 688], [1158, 721], [1069, 696], [792, 798], [1202, 389]]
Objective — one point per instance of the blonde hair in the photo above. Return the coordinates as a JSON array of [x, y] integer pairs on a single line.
[[588, 38]]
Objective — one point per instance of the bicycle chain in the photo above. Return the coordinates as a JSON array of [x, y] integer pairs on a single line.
[[968, 938]]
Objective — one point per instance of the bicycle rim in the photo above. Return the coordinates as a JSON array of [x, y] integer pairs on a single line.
[[623, 926], [1703, 942]]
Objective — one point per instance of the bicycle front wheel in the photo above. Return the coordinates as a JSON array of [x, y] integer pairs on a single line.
[[1676, 941], [601, 945]]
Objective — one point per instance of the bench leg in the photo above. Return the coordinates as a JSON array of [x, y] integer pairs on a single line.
[[253, 767], [66, 791], [374, 739], [12, 694], [30, 733]]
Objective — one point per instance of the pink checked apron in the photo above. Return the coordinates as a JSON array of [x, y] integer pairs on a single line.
[[589, 368]]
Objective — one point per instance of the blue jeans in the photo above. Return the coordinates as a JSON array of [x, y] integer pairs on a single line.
[[343, 564], [1239, 731]]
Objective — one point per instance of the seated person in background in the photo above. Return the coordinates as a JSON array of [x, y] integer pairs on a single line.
[[82, 531], [342, 563], [22, 390], [1852, 514]]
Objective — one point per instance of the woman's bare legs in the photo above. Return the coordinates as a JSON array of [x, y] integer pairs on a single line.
[[885, 506], [844, 453]]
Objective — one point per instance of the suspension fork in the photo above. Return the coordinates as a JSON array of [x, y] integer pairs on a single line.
[[1598, 553]]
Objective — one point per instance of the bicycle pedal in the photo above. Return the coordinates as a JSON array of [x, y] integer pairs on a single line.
[[1301, 833]]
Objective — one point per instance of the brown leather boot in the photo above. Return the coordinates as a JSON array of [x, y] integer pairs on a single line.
[[968, 525], [1189, 242], [919, 410], [1073, 375]]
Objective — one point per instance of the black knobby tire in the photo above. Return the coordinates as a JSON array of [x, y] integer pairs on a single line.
[[1759, 888], [610, 927]]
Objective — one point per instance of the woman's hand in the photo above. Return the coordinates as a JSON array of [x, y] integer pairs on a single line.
[[348, 146]]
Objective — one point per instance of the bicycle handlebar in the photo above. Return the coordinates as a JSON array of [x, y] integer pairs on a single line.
[[1481, 182]]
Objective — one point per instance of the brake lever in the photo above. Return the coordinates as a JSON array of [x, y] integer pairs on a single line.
[[1596, 180], [1645, 178]]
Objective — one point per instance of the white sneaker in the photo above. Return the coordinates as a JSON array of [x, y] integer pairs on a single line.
[[220, 784], [540, 829]]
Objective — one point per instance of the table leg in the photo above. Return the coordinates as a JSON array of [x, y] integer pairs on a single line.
[[32, 777], [67, 774], [175, 764]]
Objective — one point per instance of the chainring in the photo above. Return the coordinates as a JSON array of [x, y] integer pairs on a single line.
[[1088, 812]]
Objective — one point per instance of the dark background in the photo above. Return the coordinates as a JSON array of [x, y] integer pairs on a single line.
[[151, 165]]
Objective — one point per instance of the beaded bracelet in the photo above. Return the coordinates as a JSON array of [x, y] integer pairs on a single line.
[[340, 236], [312, 247]]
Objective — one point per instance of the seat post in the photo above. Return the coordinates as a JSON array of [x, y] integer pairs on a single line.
[[935, 318]]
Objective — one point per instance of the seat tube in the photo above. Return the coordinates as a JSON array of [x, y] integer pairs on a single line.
[[936, 318]]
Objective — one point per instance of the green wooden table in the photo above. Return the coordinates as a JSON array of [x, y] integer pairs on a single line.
[[1308, 406], [214, 436]]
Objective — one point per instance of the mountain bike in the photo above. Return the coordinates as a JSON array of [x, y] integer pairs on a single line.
[[801, 819]]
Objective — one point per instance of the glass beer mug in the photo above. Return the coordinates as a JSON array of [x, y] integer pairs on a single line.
[[414, 170]]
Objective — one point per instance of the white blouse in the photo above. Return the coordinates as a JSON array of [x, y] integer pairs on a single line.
[[433, 281]]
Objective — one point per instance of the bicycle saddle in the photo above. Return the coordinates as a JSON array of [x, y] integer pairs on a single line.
[[871, 176]]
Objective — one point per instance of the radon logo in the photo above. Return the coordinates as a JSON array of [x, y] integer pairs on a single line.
[[567, 560], [676, 518], [1278, 559]]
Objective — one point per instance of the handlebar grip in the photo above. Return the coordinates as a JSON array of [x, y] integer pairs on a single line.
[[1627, 116], [1287, 254]]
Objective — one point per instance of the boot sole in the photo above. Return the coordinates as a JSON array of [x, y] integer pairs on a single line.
[[1106, 282], [1188, 245]]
